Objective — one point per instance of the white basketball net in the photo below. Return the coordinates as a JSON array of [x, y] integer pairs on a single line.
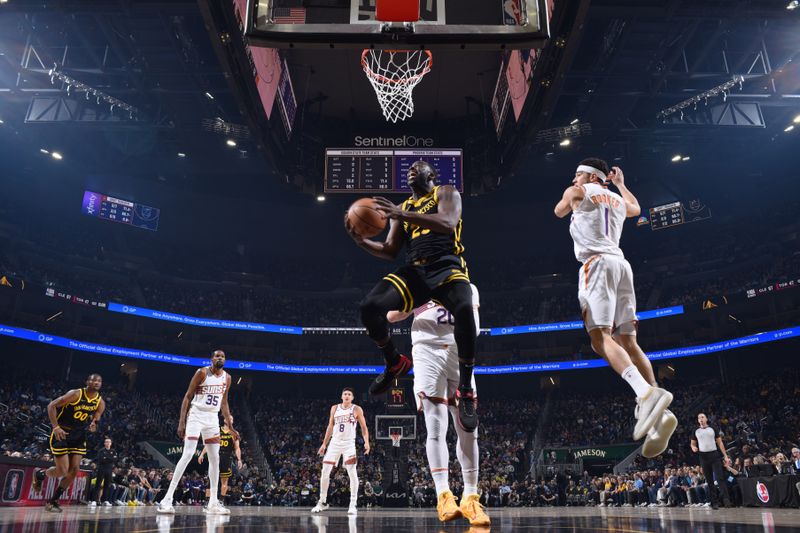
[[396, 439], [394, 74]]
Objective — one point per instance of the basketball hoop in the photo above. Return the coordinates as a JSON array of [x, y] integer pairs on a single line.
[[396, 437], [394, 74]]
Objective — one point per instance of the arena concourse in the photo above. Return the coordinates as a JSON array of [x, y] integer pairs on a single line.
[[175, 176]]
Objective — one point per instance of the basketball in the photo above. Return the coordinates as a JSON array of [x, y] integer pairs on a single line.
[[365, 219]]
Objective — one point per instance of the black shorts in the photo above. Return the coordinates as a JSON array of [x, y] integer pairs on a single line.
[[74, 443], [417, 282], [225, 467]]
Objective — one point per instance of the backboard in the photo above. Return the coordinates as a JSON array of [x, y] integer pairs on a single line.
[[461, 24], [385, 425]]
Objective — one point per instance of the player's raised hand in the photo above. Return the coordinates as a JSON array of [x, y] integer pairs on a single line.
[[387, 208], [350, 231], [616, 177]]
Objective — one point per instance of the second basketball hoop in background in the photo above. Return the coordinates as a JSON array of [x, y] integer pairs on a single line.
[[394, 74]]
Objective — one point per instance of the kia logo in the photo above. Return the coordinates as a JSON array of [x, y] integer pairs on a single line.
[[762, 492]]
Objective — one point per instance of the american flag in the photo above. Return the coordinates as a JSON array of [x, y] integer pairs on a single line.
[[289, 15]]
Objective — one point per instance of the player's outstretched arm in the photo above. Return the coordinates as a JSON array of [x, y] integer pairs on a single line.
[[328, 432], [70, 397], [362, 421], [444, 221], [237, 450], [632, 208], [397, 316], [388, 249], [572, 196], [197, 379]]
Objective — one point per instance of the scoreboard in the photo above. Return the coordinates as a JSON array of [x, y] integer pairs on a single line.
[[384, 171], [666, 215], [123, 211]]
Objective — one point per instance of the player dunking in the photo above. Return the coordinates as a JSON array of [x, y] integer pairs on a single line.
[[429, 224], [606, 294], [228, 448], [435, 383], [341, 433], [206, 395], [70, 415]]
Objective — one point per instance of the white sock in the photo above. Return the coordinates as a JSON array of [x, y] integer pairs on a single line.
[[351, 471], [635, 380], [189, 447], [468, 457], [213, 471], [436, 444], [324, 481]]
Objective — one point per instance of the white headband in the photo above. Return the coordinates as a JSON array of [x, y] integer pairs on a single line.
[[592, 170]]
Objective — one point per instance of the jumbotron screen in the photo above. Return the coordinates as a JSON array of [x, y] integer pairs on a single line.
[[357, 170], [100, 205]]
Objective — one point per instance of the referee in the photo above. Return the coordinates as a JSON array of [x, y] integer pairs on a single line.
[[708, 443]]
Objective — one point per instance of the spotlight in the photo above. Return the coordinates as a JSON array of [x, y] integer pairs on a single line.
[[565, 142], [57, 155], [685, 158], [181, 154], [231, 143], [320, 198], [574, 121], [42, 150], [788, 128], [209, 96], [676, 158], [794, 4], [796, 120]]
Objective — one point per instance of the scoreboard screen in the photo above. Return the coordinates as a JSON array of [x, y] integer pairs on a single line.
[[666, 215], [384, 171], [123, 211]]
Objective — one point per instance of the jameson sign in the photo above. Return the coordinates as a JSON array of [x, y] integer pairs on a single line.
[[172, 450], [569, 455]]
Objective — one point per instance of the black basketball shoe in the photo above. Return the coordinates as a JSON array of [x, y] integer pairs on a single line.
[[467, 405], [384, 380]]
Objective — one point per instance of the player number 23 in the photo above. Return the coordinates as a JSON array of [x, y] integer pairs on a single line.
[[416, 231], [212, 400]]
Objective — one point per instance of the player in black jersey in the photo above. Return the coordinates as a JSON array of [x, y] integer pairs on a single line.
[[71, 415], [429, 225], [228, 447]]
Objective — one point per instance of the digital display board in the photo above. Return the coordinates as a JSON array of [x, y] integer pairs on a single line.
[[384, 171], [666, 215], [123, 211]]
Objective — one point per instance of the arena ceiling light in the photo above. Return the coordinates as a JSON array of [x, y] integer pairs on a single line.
[[565, 142], [181, 154], [796, 120], [209, 95], [685, 158], [44, 151], [794, 4], [57, 155], [231, 143], [788, 128], [574, 121], [320, 198], [1, 122], [676, 158]]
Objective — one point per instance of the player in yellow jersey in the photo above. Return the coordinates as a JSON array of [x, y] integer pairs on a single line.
[[428, 224], [228, 449], [71, 415]]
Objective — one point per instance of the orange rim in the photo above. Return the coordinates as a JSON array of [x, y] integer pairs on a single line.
[[383, 79]]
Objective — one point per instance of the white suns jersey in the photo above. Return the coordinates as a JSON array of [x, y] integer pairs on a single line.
[[596, 224], [208, 396], [344, 424], [433, 324]]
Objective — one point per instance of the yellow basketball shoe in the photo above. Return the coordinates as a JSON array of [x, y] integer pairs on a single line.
[[447, 507], [473, 511]]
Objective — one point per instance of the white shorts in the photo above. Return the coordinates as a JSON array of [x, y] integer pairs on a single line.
[[335, 450], [436, 374], [205, 423], [606, 295]]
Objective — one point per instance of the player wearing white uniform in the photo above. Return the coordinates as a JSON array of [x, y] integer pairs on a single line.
[[436, 379], [340, 441], [206, 395], [606, 294]]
